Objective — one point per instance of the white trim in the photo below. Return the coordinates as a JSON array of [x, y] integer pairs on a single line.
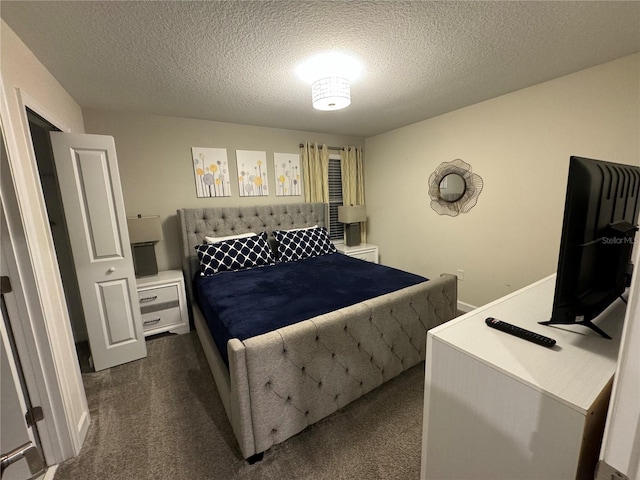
[[26, 101], [76, 410], [50, 473], [27, 335], [53, 384]]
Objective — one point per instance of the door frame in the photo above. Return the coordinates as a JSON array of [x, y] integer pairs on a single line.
[[43, 334]]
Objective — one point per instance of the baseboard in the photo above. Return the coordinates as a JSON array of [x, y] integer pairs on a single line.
[[50, 473], [465, 307]]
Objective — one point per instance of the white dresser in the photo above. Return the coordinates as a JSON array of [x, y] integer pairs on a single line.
[[364, 251], [499, 407], [163, 303]]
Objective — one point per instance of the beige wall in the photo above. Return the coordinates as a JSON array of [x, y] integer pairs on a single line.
[[520, 145], [26, 82], [154, 158]]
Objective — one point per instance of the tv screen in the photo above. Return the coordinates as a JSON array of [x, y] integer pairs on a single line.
[[598, 233]]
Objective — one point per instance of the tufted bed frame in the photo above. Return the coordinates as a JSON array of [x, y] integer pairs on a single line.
[[280, 382]]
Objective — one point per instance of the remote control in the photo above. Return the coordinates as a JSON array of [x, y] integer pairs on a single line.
[[520, 332]]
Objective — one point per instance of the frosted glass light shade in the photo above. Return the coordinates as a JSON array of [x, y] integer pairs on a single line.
[[331, 93]]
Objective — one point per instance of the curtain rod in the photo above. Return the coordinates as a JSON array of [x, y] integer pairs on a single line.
[[328, 148], [320, 146]]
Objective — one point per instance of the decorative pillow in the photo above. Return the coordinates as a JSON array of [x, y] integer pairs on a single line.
[[304, 228], [298, 244], [235, 254], [230, 237]]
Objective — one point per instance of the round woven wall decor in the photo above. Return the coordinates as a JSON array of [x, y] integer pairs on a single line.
[[467, 200]]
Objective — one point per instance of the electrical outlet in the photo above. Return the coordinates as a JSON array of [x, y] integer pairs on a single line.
[[460, 275]]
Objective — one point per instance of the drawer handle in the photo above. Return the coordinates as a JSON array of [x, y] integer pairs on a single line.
[[148, 299], [150, 322]]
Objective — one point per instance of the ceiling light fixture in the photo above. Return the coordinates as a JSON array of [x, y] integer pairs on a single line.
[[331, 93], [330, 75]]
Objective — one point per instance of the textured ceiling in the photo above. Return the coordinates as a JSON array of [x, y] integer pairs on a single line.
[[235, 61]]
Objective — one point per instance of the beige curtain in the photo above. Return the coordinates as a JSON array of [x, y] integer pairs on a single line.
[[315, 172], [352, 168]]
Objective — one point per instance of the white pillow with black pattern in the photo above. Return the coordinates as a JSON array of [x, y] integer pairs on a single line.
[[298, 244], [235, 254], [303, 228], [229, 237]]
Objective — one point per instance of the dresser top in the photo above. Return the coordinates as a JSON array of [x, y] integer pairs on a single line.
[[574, 371], [164, 276], [355, 248]]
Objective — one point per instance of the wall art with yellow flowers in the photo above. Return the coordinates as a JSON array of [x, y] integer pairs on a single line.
[[288, 179], [211, 171], [252, 173]]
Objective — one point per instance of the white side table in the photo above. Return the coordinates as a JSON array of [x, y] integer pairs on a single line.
[[163, 303], [364, 251]]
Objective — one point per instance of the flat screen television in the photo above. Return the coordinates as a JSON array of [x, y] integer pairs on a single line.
[[598, 231]]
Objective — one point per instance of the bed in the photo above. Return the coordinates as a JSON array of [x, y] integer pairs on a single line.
[[275, 384]]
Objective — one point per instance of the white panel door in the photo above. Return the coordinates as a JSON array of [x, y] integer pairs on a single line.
[[87, 170], [20, 453]]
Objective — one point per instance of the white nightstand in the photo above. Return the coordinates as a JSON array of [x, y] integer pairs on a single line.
[[364, 251], [163, 303]]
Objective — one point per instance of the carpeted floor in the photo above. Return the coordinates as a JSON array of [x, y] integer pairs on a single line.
[[162, 418]]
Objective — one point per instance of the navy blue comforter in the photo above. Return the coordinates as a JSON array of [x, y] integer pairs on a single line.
[[250, 302]]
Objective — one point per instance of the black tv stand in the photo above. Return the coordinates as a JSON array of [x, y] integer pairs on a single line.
[[585, 323]]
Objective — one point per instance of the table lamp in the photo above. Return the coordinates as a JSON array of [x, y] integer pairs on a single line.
[[351, 216], [143, 233]]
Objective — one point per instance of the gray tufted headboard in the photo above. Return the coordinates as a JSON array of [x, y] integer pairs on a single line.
[[196, 223]]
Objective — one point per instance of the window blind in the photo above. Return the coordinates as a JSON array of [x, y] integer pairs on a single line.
[[336, 229]]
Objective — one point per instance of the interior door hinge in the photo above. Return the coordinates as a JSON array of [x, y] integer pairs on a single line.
[[5, 285], [33, 415]]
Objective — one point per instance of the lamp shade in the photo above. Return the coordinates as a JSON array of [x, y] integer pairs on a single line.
[[352, 214], [331, 93], [144, 229]]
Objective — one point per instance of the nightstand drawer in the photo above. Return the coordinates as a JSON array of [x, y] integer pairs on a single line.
[[163, 304], [159, 295], [161, 318], [368, 256], [364, 251]]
